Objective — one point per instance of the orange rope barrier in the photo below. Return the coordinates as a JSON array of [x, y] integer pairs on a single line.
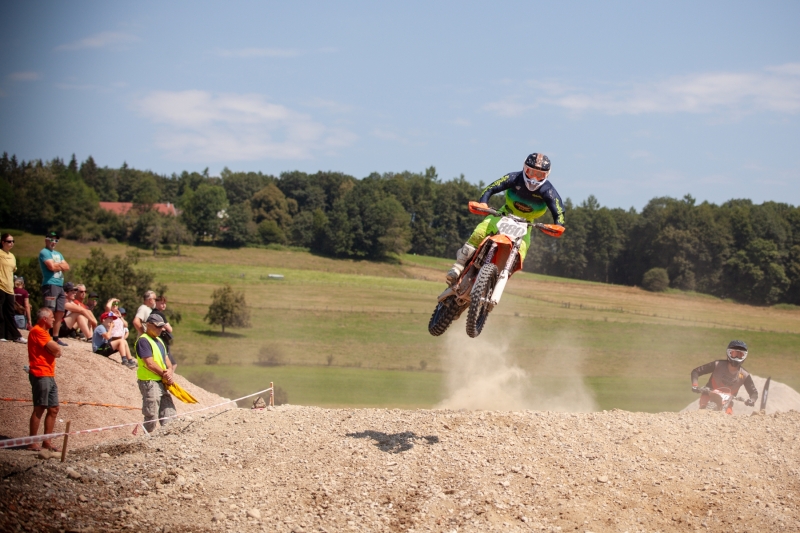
[[76, 403]]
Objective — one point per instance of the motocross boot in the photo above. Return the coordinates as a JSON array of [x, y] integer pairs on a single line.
[[463, 255]]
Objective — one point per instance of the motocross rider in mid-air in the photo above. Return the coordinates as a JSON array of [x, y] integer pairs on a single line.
[[727, 374], [528, 195]]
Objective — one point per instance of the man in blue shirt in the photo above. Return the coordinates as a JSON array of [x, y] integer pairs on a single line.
[[53, 267]]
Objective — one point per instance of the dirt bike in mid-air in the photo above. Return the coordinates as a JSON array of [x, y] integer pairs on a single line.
[[483, 280]]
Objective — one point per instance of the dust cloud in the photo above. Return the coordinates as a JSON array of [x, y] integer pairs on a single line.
[[482, 373]]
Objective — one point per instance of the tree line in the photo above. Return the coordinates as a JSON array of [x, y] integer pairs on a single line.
[[738, 250]]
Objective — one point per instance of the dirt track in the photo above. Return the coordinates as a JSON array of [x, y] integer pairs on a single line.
[[312, 469]]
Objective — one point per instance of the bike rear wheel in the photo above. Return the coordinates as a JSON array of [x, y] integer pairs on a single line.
[[444, 314], [480, 296]]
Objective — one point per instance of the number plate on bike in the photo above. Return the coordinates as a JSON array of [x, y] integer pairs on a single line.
[[512, 228]]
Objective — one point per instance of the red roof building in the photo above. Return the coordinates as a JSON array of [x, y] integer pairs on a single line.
[[122, 208]]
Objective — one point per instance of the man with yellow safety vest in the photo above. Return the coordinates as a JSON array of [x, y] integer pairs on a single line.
[[155, 374]]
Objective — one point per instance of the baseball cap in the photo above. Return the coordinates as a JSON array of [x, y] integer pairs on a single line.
[[93, 295], [109, 314], [69, 286], [122, 311], [52, 235], [156, 320]]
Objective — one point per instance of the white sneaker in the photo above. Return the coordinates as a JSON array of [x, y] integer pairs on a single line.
[[3, 340], [21, 340]]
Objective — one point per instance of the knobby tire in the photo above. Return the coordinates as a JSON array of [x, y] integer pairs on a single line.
[[443, 316], [480, 295]]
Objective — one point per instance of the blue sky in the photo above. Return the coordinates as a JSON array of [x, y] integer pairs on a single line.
[[631, 100]]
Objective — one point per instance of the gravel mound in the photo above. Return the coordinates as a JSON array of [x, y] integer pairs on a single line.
[[303, 469], [85, 377], [782, 398]]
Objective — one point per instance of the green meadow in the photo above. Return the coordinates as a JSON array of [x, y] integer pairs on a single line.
[[354, 333]]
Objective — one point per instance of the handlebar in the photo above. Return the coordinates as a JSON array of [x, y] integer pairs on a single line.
[[554, 230], [708, 390]]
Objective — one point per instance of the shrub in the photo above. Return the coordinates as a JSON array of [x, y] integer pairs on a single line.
[[655, 280], [212, 359], [269, 356]]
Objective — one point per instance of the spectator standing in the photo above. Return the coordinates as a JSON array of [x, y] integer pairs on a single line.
[[53, 267], [77, 316], [105, 345], [154, 375], [8, 265], [161, 310], [42, 354], [149, 302], [22, 304]]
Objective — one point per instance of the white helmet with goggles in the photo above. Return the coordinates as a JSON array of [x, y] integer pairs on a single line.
[[536, 170], [737, 352]]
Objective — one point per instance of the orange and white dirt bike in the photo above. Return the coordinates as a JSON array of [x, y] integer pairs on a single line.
[[484, 278]]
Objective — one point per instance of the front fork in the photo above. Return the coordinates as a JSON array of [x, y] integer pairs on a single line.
[[502, 279], [482, 256]]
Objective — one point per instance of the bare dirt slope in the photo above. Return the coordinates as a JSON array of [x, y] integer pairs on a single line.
[[312, 469], [81, 376]]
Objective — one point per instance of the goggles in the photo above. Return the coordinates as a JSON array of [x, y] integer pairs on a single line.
[[54, 241], [536, 174], [738, 355]]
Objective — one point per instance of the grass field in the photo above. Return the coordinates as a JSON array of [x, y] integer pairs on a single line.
[[355, 332]]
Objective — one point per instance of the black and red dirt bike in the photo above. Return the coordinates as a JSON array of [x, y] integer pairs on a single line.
[[719, 399], [482, 282]]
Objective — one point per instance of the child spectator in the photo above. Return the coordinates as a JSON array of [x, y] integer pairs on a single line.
[[8, 265], [22, 304], [120, 327], [104, 344], [124, 315], [77, 317]]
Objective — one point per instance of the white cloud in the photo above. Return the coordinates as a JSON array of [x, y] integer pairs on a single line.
[[259, 52], [201, 126], [464, 123], [24, 76], [100, 40], [775, 88]]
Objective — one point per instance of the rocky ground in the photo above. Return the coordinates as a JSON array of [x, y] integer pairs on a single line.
[[312, 469]]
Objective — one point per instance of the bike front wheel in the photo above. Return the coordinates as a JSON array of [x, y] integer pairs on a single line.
[[480, 297], [444, 314]]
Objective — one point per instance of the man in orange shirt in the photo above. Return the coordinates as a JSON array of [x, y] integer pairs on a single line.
[[42, 353]]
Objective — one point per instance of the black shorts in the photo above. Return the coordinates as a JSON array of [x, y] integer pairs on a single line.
[[106, 350], [45, 391], [54, 297]]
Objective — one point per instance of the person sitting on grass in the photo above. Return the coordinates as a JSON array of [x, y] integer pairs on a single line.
[[104, 344], [42, 354], [77, 318]]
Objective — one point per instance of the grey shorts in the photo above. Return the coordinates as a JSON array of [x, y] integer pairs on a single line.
[[54, 297], [45, 391]]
